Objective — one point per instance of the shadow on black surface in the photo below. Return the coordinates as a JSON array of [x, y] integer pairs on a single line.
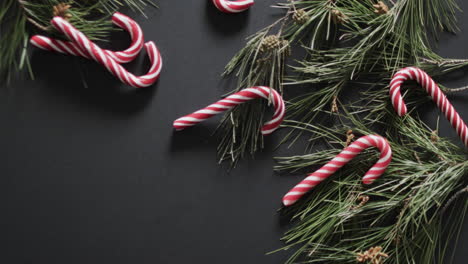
[[90, 84], [190, 138], [284, 217], [232, 23], [456, 75]]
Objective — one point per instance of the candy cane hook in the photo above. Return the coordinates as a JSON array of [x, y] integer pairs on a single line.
[[413, 73], [71, 48], [238, 6], [96, 53], [342, 159], [233, 100]]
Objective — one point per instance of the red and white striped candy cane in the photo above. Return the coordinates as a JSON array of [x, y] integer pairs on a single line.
[[233, 100], [339, 161], [413, 73], [96, 53], [71, 48], [233, 6]]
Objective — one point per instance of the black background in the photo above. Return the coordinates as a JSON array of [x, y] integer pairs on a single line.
[[97, 175]]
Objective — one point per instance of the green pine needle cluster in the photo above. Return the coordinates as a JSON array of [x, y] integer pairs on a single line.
[[353, 47], [21, 18], [407, 209], [261, 62], [348, 43], [371, 48]]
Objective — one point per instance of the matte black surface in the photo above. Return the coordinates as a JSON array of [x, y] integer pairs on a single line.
[[97, 175]]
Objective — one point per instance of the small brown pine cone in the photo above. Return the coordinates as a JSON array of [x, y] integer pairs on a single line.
[[337, 16], [434, 136], [61, 10], [286, 47], [363, 200], [381, 8], [334, 105], [300, 16], [349, 136], [269, 43]]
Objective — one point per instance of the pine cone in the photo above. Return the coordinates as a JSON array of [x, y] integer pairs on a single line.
[[337, 16], [349, 134], [334, 105], [286, 47], [434, 136], [381, 8], [362, 199], [300, 16], [61, 10], [269, 43], [373, 255]]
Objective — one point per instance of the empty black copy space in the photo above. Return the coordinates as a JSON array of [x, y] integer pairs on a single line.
[[97, 174]]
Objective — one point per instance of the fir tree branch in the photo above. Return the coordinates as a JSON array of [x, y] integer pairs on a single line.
[[354, 47], [401, 214]]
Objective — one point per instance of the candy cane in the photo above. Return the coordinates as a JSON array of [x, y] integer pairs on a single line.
[[96, 53], [342, 159], [71, 48], [233, 6], [233, 100], [413, 73]]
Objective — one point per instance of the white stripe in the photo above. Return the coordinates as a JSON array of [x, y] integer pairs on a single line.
[[295, 193], [314, 178], [64, 46], [226, 100], [51, 44], [183, 124], [208, 111], [190, 119], [237, 96], [356, 146], [303, 185], [340, 159], [348, 152], [324, 171], [220, 106], [365, 141]]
